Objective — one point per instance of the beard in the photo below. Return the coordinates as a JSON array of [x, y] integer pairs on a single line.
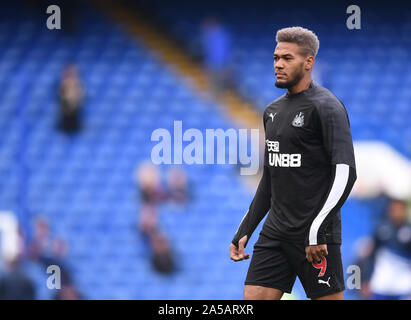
[[291, 83]]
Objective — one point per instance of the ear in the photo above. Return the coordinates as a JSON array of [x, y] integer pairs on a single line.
[[308, 63]]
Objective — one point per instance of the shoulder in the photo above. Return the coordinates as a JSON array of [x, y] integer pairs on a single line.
[[274, 104], [323, 97], [325, 102]]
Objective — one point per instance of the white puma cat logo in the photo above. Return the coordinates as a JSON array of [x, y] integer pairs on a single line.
[[325, 282], [272, 116]]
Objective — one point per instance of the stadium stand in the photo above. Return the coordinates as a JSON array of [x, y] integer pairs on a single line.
[[84, 184]]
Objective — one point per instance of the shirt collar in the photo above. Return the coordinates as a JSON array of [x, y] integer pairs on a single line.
[[292, 95]]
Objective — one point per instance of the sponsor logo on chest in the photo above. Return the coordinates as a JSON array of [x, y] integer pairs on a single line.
[[277, 159]]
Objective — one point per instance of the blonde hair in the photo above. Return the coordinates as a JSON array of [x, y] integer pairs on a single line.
[[306, 39]]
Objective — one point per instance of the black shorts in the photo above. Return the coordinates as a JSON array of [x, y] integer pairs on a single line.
[[276, 264]]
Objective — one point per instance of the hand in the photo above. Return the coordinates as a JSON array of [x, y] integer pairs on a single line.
[[237, 254], [316, 253]]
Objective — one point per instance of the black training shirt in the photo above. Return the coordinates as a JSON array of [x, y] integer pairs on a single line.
[[309, 169]]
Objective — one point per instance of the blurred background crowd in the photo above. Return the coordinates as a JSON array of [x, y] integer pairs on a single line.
[[78, 106]]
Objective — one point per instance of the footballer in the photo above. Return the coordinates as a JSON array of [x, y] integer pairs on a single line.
[[309, 171]]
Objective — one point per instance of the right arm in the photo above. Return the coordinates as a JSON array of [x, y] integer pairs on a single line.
[[257, 210]]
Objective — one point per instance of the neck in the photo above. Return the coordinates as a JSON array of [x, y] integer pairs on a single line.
[[302, 85]]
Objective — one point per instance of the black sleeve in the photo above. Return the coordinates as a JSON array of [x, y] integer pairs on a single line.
[[258, 208], [337, 141], [336, 133]]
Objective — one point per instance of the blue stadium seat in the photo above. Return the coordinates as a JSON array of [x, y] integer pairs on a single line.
[[85, 184]]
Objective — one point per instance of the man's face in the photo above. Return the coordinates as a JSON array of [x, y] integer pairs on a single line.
[[288, 64], [398, 212]]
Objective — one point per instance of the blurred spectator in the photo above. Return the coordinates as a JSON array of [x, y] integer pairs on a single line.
[[15, 283], [162, 257], [216, 45], [148, 219], [41, 243], [178, 190], [50, 251], [67, 292], [43, 247], [71, 96], [151, 194], [385, 260], [149, 182]]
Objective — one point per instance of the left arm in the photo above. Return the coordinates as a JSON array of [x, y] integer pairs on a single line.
[[338, 144], [343, 180]]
